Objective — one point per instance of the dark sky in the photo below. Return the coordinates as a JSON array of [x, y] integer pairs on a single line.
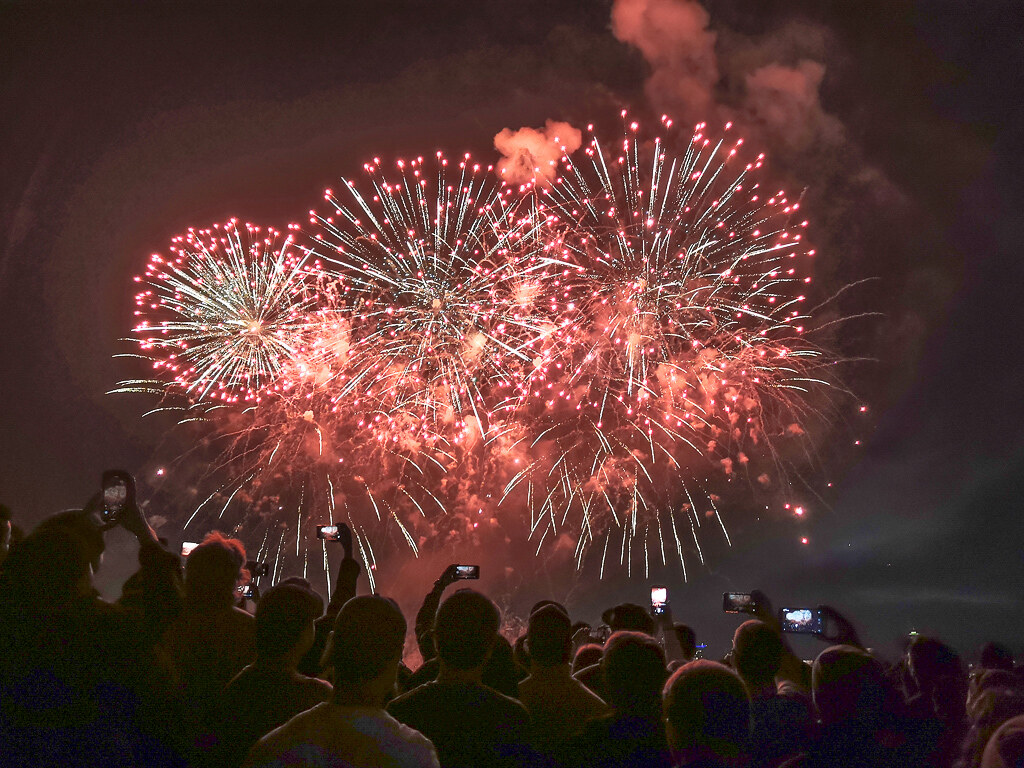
[[125, 123]]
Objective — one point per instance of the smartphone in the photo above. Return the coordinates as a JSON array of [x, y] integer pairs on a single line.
[[802, 621], [249, 591], [328, 532], [738, 602], [257, 569], [187, 547], [116, 490], [467, 571], [659, 599]]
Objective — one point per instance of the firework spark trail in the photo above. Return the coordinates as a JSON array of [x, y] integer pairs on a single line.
[[442, 275], [681, 279], [225, 312]]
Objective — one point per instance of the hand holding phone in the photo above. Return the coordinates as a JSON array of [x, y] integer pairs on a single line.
[[328, 532], [659, 600], [738, 602], [118, 492], [801, 621]]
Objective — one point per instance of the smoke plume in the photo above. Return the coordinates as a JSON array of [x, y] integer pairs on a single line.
[[531, 154]]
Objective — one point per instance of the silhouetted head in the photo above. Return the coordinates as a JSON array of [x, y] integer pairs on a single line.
[[707, 706], [549, 637], [212, 571], [501, 671], [756, 652], [465, 629], [586, 655], [687, 640], [629, 617], [50, 568], [284, 622], [78, 523], [544, 603], [633, 665], [369, 635], [1006, 747], [995, 656], [848, 687]]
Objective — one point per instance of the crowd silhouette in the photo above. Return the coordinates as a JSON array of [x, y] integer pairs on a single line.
[[176, 673]]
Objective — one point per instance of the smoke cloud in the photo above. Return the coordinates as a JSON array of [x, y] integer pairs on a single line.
[[532, 154], [673, 36], [771, 87]]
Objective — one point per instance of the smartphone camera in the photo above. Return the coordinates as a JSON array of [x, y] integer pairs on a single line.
[[115, 495], [802, 621], [249, 591], [328, 532], [467, 571], [659, 600], [738, 602]]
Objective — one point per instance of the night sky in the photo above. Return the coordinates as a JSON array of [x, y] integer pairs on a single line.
[[125, 123]]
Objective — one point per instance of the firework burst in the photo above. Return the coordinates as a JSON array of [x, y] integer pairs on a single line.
[[598, 357], [442, 276], [680, 350], [223, 315]]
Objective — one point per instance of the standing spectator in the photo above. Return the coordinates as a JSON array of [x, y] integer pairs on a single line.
[[707, 711], [353, 729], [80, 683], [344, 589], [850, 698], [633, 734], [781, 723], [469, 723], [627, 617], [559, 706], [211, 640], [270, 691], [940, 705]]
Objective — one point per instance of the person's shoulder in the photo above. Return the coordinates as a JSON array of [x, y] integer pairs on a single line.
[[416, 741], [315, 687], [281, 739], [588, 698], [510, 707], [241, 617], [413, 699]]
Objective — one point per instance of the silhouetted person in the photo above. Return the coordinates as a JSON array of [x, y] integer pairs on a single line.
[[353, 729], [707, 712], [559, 706], [424, 629], [586, 655], [270, 691], [849, 698], [211, 640], [687, 639], [344, 590], [633, 666], [940, 705], [995, 656], [781, 725], [1006, 747], [627, 617], [469, 723], [501, 672], [79, 681]]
